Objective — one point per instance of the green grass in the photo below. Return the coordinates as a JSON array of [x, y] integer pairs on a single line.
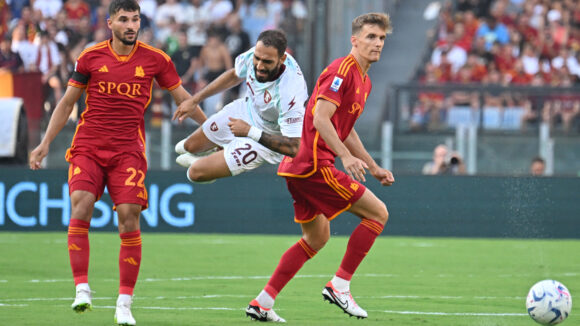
[[209, 279]]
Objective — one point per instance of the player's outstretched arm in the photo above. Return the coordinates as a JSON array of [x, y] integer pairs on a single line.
[[180, 95], [57, 121], [188, 107], [278, 143], [356, 147]]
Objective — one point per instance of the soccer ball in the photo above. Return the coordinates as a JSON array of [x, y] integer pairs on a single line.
[[549, 302]]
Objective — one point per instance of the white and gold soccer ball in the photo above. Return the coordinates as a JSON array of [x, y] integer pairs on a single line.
[[549, 302]]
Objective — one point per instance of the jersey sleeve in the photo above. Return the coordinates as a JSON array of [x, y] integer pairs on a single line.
[[292, 99], [81, 74], [167, 77], [332, 86], [242, 62]]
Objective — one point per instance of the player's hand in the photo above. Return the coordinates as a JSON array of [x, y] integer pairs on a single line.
[[384, 176], [36, 156], [354, 167], [239, 127], [186, 109]]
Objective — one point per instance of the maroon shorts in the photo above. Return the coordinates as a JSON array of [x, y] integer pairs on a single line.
[[328, 191], [122, 172]]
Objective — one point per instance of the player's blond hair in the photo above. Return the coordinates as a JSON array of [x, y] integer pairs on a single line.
[[373, 18]]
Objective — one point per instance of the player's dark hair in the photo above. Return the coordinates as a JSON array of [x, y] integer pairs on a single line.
[[374, 18], [127, 5], [275, 38]]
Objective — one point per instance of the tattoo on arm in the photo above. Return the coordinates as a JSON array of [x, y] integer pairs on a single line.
[[281, 144]]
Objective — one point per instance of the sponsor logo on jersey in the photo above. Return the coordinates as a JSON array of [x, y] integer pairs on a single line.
[[131, 90], [139, 72], [293, 120], [267, 97], [291, 104], [336, 84], [355, 109]]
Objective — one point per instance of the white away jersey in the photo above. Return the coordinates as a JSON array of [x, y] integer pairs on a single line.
[[277, 107]]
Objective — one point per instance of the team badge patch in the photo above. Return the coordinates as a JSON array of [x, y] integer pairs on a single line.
[[336, 84]]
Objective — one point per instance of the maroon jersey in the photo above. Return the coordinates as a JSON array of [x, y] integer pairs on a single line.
[[343, 84], [119, 89]]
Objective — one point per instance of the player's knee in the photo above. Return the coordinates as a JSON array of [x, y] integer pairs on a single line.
[[382, 215], [196, 175], [189, 145]]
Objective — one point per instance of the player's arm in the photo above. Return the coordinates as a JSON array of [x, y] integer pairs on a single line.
[[278, 143], [323, 112], [180, 95], [225, 81], [356, 147], [57, 122]]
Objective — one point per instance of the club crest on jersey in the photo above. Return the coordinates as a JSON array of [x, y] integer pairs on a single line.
[[267, 97], [139, 72], [213, 127], [336, 84]]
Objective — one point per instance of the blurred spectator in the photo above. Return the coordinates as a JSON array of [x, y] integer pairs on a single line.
[[237, 42], [75, 10], [49, 8], [169, 13], [215, 59], [47, 62], [218, 11], [456, 55], [444, 162], [196, 18], [538, 166], [9, 60], [254, 15], [186, 60], [25, 48], [292, 20], [148, 8], [493, 31]]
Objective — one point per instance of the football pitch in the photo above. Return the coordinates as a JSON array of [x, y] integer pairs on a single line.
[[201, 279]]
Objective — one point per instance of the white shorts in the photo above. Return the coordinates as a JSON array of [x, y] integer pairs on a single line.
[[241, 153]]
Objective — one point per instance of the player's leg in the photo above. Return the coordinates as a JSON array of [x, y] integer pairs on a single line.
[[315, 234], [86, 185], [208, 168], [374, 215], [126, 174], [194, 143], [129, 260], [82, 204]]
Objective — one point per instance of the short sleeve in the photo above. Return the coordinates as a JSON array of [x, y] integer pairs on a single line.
[[81, 74], [242, 62], [292, 99], [167, 76], [332, 86]]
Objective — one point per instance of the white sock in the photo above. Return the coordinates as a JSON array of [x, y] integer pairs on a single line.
[[340, 284], [265, 300], [83, 286], [124, 298]]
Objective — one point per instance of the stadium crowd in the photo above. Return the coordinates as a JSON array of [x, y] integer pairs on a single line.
[[203, 37], [503, 43]]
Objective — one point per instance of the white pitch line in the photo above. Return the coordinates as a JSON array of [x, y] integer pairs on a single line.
[[13, 305], [172, 308], [430, 313], [261, 277]]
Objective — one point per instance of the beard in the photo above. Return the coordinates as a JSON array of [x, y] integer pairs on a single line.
[[270, 74], [124, 40]]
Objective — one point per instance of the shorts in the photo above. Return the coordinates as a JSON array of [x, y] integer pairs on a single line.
[[328, 191], [241, 153], [122, 172]]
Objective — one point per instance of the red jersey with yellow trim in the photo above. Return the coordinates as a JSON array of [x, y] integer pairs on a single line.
[[118, 90], [343, 84]]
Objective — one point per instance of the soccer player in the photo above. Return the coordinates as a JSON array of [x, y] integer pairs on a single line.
[[320, 191], [262, 127], [108, 148]]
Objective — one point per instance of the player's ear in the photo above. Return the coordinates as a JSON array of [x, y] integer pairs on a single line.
[[283, 58], [353, 40]]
